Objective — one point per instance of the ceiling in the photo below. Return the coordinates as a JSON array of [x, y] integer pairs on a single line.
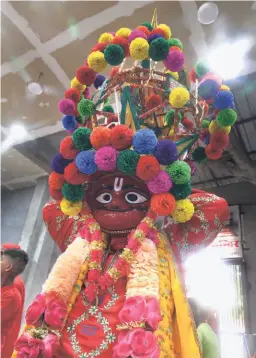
[[54, 38]]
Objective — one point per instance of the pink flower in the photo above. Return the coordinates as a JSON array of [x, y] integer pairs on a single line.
[[51, 344], [154, 316], [55, 313], [137, 344], [134, 309], [28, 347], [36, 309]]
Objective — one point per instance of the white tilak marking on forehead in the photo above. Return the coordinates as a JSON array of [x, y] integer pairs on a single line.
[[118, 184]]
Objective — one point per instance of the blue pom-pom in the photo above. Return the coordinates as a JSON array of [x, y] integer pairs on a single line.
[[59, 163], [208, 89], [166, 152], [85, 162], [207, 140], [100, 79], [69, 123], [153, 37], [144, 141], [223, 99]]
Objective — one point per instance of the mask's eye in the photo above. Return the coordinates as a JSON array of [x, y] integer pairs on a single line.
[[104, 198], [135, 198]]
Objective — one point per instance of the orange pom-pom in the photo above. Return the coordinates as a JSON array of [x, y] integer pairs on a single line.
[[56, 181], [213, 153], [99, 47], [158, 31], [73, 176], [219, 140], [56, 194], [73, 94], [114, 71], [163, 204], [147, 167], [175, 48], [153, 101], [121, 137], [67, 149], [100, 137], [123, 42], [192, 75], [143, 29]]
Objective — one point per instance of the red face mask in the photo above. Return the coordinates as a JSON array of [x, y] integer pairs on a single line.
[[118, 202]]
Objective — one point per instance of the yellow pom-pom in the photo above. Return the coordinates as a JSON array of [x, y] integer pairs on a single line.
[[123, 32], [139, 48], [213, 128], [224, 87], [106, 37], [179, 96], [166, 30], [174, 75], [183, 211], [76, 84], [96, 61], [70, 208]]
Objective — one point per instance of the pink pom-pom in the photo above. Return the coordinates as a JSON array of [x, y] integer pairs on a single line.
[[105, 158], [161, 183], [67, 106], [136, 33], [174, 61]]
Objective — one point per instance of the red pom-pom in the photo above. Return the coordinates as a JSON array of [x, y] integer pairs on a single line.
[[147, 168], [143, 29], [76, 113], [85, 75], [188, 123], [213, 153], [123, 42], [73, 94], [114, 71], [56, 181], [121, 137], [153, 101], [163, 204], [175, 48], [55, 194], [99, 47], [73, 176], [192, 75], [67, 149], [210, 101], [158, 31], [100, 137], [219, 140]]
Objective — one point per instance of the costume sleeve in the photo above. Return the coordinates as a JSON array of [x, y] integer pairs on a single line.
[[211, 215], [62, 228], [8, 306]]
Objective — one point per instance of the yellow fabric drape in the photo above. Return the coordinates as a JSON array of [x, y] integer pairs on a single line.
[[176, 333]]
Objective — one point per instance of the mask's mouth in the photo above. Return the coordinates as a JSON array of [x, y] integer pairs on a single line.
[[117, 232]]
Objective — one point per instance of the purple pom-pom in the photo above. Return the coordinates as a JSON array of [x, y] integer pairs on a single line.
[[59, 163], [100, 79], [105, 158], [69, 123], [136, 33], [223, 99], [174, 61], [166, 152], [161, 183], [192, 165], [153, 37], [208, 88], [85, 162], [66, 106]]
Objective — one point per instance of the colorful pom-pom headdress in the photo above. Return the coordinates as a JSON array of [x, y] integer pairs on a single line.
[[141, 121]]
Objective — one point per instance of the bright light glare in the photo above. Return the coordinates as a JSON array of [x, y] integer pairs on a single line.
[[228, 60], [17, 132], [35, 88]]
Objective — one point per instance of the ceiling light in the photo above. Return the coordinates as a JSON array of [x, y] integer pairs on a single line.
[[17, 132], [207, 13], [35, 88], [4, 100]]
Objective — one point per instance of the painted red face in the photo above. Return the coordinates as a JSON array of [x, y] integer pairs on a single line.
[[118, 202]]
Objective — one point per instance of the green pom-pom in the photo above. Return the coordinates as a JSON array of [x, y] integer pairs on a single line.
[[169, 117], [205, 123], [181, 191], [226, 117], [114, 55], [80, 119], [73, 192], [199, 155], [81, 139], [108, 108], [145, 64], [158, 49], [175, 42], [201, 68], [127, 161], [86, 108], [179, 171], [148, 25]]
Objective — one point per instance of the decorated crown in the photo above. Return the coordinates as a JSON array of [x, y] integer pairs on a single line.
[[141, 121]]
